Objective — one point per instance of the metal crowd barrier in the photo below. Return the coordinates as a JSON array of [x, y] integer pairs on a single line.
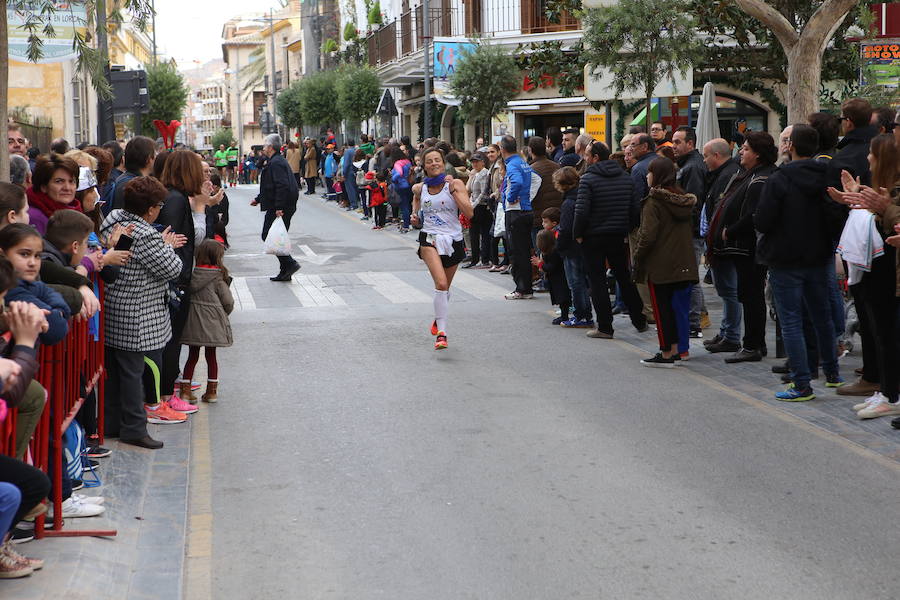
[[69, 371]]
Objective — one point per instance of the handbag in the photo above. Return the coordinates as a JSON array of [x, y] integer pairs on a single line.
[[277, 241]]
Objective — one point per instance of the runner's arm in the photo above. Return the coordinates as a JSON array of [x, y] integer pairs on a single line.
[[461, 195]]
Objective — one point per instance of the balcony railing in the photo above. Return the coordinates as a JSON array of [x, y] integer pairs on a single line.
[[483, 18]]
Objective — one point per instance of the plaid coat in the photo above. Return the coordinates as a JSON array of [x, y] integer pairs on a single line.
[[136, 305]]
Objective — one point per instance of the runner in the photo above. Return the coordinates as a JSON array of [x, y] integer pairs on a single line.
[[221, 159], [441, 246], [231, 155]]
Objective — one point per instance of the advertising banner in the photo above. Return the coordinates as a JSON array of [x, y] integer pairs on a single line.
[[880, 62], [445, 56], [65, 21]]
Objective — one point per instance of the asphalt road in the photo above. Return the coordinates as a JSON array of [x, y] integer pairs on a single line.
[[350, 460]]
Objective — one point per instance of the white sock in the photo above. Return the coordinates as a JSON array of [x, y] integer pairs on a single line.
[[441, 308]]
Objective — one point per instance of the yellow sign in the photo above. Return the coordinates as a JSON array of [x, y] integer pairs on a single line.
[[595, 126], [120, 130]]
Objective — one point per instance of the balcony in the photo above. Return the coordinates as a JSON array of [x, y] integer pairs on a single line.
[[473, 18]]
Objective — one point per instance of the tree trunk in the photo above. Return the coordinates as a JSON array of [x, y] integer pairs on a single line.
[[804, 78], [804, 49], [4, 87]]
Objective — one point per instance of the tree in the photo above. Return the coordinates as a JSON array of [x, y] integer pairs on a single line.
[[223, 135], [484, 81], [641, 43], [167, 95], [358, 91], [253, 73], [316, 99], [38, 16], [288, 103], [804, 46]]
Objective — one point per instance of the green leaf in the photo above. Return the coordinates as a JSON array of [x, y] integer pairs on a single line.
[[484, 81]]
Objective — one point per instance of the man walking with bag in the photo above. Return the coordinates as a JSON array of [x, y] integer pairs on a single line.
[[278, 194]]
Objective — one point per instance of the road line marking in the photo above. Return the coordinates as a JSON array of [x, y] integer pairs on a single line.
[[303, 295], [330, 295], [777, 412], [242, 293], [393, 288], [198, 554], [478, 287]]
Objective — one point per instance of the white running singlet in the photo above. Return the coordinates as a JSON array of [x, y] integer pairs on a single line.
[[440, 219]]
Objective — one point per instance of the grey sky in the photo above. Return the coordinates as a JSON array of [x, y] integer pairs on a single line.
[[191, 30]]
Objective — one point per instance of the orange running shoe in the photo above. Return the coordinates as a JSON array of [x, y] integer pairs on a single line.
[[434, 329], [441, 342], [165, 415]]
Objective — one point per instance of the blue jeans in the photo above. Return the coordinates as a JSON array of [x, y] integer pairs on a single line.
[[725, 280], [10, 498], [577, 279], [405, 195], [796, 289], [352, 193], [698, 304], [836, 299]]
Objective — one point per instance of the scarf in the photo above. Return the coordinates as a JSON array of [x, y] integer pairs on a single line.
[[436, 180], [47, 205]]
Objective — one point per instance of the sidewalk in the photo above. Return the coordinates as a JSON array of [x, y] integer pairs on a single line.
[[755, 384], [146, 495]]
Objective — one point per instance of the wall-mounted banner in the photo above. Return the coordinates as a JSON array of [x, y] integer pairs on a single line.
[[66, 20], [445, 56]]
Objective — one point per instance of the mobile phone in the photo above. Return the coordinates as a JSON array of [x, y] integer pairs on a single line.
[[124, 243]]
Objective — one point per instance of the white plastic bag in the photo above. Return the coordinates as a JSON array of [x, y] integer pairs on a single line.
[[277, 240], [499, 221]]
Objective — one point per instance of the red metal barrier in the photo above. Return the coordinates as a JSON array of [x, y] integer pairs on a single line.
[[69, 371]]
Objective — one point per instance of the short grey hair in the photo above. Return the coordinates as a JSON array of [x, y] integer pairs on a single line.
[[19, 170], [583, 141], [718, 146], [274, 140]]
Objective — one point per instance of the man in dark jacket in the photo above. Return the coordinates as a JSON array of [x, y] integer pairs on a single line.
[[547, 195], [721, 167], [278, 193], [692, 179], [853, 149], [794, 216], [569, 156], [643, 150], [603, 212], [139, 155]]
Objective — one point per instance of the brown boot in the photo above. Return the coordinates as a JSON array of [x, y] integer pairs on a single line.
[[860, 388], [185, 392], [211, 388]]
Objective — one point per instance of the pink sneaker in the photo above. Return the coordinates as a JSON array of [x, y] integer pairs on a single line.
[[176, 403]]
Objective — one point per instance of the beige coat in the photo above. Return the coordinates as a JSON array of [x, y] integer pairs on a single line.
[[311, 167], [293, 156], [211, 303]]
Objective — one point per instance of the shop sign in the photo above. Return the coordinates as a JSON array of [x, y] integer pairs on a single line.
[[595, 126], [68, 19], [880, 63]]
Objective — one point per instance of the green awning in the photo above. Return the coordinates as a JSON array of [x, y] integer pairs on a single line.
[[641, 118]]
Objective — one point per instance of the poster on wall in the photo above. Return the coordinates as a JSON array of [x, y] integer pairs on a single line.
[[880, 64], [67, 18], [595, 126], [446, 54], [501, 125]]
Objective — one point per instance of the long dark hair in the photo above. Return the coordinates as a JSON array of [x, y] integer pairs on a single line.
[[663, 171], [210, 252], [16, 233]]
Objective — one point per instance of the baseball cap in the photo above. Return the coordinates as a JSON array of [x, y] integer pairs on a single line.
[[479, 156]]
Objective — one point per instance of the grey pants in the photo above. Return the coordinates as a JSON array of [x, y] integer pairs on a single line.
[[698, 304]]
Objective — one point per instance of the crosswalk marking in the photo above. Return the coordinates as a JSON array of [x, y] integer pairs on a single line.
[[344, 289], [478, 287], [242, 294], [312, 291], [393, 288]]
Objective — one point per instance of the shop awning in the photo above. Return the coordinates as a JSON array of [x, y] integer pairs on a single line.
[[641, 118]]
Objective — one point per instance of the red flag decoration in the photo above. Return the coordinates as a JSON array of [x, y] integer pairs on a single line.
[[167, 132]]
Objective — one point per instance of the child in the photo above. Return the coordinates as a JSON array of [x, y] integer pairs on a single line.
[[207, 321], [551, 263], [22, 245], [377, 186], [329, 169]]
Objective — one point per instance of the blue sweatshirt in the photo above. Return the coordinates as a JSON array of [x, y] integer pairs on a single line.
[[518, 183], [330, 168], [42, 296]]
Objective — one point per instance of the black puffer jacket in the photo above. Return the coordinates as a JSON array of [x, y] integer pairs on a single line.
[[796, 217], [605, 201], [853, 155]]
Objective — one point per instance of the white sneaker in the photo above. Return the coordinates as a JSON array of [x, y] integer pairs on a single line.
[[867, 402], [880, 408], [73, 508], [97, 500]]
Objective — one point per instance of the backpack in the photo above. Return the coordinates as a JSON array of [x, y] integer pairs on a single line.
[[73, 450], [360, 177]]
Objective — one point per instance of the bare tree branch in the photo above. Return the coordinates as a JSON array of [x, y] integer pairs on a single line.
[[774, 20]]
